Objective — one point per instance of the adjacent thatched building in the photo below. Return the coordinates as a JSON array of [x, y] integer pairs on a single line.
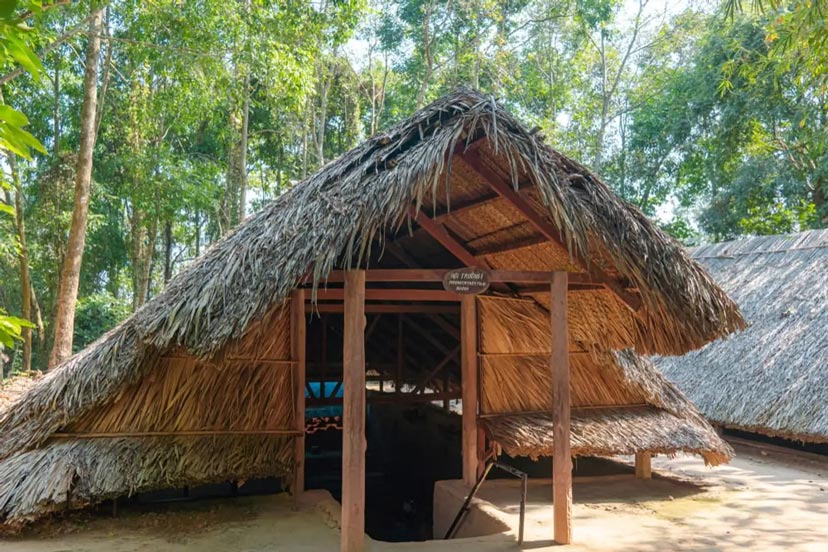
[[773, 377], [205, 382]]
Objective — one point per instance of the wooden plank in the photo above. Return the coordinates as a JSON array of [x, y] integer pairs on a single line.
[[451, 355], [427, 295], [324, 378], [392, 398], [398, 375], [439, 233], [182, 433], [352, 538], [435, 275], [561, 455], [546, 228], [371, 308], [643, 467], [468, 383], [297, 348]]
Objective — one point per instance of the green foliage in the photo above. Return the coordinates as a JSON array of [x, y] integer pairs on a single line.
[[11, 329], [713, 123], [95, 315], [14, 139]]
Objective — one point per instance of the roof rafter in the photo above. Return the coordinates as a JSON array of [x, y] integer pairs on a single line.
[[442, 235], [547, 229]]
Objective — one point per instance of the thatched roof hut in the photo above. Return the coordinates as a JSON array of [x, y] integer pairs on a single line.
[[197, 385], [770, 378]]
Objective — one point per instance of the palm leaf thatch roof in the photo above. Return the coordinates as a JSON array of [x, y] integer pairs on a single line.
[[770, 378], [621, 404], [224, 314]]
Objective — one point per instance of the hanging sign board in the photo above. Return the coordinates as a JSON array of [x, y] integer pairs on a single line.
[[470, 281]]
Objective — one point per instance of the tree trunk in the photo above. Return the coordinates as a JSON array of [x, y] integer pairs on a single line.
[[23, 258], [242, 168], [818, 196], [168, 243], [429, 57], [56, 114], [143, 247], [70, 273], [232, 208], [320, 122]]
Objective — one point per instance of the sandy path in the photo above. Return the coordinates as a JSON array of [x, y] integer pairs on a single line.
[[759, 502]]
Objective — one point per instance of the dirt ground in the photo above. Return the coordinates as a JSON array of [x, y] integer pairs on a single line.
[[761, 501]]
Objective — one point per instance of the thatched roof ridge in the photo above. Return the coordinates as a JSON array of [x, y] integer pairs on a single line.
[[770, 378], [334, 215]]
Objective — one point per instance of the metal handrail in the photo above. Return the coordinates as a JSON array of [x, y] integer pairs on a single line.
[[464, 509]]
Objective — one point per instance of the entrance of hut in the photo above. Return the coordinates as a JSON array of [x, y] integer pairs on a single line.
[[413, 426]]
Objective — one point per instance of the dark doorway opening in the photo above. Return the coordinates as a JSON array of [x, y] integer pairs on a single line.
[[413, 435]]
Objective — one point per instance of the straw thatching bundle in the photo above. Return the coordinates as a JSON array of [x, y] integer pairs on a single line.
[[105, 452], [194, 356], [772, 377], [77, 473], [621, 403]]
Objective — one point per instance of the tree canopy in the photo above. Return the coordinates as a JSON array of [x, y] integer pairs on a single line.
[[712, 121]]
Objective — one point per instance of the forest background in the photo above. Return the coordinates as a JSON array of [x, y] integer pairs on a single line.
[[134, 133]]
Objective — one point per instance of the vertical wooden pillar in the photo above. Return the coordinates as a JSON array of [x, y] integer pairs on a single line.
[[561, 457], [643, 469], [297, 354], [468, 382], [398, 378], [353, 415]]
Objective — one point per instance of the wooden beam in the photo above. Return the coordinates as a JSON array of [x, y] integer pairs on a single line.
[[451, 355], [426, 295], [182, 433], [353, 416], [385, 308], [398, 377], [468, 383], [439, 233], [446, 326], [561, 455], [435, 275], [643, 467], [392, 398], [322, 390], [546, 228], [297, 350]]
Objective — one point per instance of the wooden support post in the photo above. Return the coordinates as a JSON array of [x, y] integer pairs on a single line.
[[353, 415], [468, 382], [481, 450], [297, 354], [561, 456], [398, 378], [643, 469]]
